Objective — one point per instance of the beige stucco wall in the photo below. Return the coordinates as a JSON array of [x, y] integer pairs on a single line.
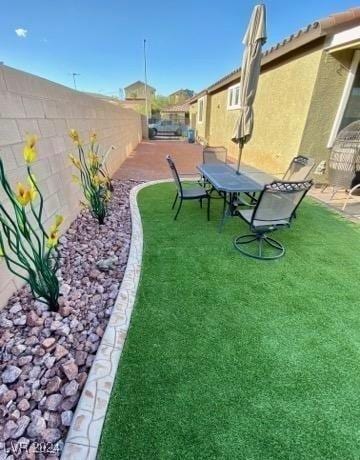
[[202, 128], [193, 115], [281, 110], [329, 86], [35, 105]]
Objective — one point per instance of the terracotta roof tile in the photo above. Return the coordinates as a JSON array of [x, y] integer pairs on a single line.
[[314, 30], [177, 108]]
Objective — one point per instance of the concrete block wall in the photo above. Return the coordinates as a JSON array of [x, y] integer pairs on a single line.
[[30, 104]]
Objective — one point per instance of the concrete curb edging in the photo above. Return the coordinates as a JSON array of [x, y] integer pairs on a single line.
[[83, 438]]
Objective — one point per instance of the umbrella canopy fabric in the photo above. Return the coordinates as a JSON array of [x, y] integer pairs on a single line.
[[254, 38]]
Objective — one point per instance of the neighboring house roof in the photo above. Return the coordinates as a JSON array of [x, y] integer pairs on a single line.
[[181, 91], [177, 108], [102, 96], [138, 83], [304, 36], [112, 99]]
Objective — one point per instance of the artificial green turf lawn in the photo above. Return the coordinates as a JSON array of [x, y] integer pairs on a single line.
[[233, 358]]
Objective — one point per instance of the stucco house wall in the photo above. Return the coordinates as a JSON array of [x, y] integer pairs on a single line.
[[193, 115], [281, 109], [304, 84], [202, 128], [328, 89], [35, 105]]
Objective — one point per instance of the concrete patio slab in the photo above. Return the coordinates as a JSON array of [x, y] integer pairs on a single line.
[[352, 210], [147, 161]]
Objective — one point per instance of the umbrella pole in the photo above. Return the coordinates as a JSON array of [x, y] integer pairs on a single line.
[[239, 157]]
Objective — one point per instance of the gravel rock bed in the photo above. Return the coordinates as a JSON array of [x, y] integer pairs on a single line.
[[45, 357]]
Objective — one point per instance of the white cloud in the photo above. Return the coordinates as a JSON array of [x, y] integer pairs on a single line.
[[22, 33]]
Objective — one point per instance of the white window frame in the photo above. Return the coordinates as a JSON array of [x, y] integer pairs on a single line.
[[344, 98], [231, 91], [201, 100]]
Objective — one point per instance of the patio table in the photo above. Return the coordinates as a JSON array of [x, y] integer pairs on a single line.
[[229, 184]]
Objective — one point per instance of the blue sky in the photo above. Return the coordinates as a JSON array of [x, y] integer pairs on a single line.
[[190, 43]]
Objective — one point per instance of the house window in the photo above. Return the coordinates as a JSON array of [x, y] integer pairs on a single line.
[[349, 108], [201, 102], [234, 97], [352, 111]]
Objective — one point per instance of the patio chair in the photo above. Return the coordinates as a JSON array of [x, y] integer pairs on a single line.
[[274, 210], [214, 154], [299, 169], [193, 193]]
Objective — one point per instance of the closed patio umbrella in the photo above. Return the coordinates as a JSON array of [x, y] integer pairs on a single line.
[[253, 40]]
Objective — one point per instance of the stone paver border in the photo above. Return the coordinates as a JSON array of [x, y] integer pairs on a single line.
[[83, 438]]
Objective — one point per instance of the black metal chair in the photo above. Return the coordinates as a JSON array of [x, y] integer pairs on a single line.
[[194, 193], [274, 209], [214, 154], [299, 169]]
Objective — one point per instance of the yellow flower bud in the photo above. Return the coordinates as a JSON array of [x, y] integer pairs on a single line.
[[53, 239], [23, 195], [96, 180], [58, 220], [107, 195], [30, 152], [74, 136], [75, 179], [93, 159], [75, 161]]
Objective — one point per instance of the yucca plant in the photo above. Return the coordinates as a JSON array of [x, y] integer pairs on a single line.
[[29, 250], [94, 178]]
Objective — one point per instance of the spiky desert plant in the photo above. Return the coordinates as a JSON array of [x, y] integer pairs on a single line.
[[94, 178], [29, 250]]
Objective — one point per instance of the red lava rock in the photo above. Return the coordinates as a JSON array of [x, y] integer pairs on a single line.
[[36, 427], [53, 385], [9, 395], [81, 379], [70, 402], [94, 274], [23, 405], [32, 336], [10, 374], [66, 417], [53, 401], [32, 319], [80, 357], [65, 310], [22, 424], [5, 337], [70, 369], [51, 435], [71, 388], [60, 351], [23, 360], [48, 343], [32, 340], [99, 331], [37, 395], [9, 430]]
